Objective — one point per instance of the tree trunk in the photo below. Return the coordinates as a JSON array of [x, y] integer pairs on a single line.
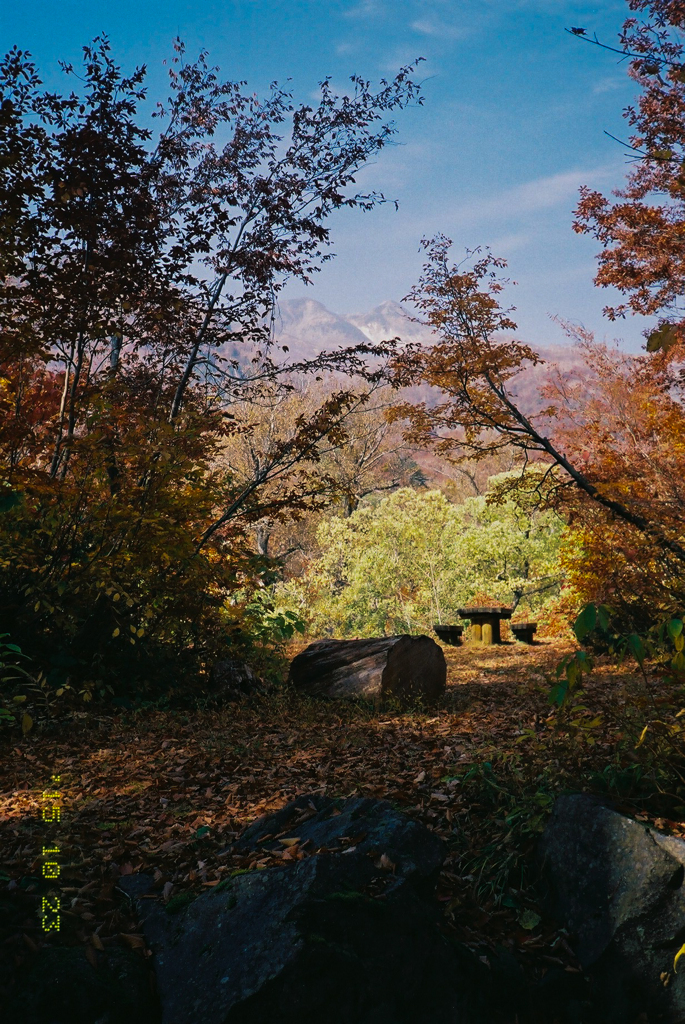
[[263, 536], [401, 667]]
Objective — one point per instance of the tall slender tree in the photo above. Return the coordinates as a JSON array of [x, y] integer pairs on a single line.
[[641, 230], [142, 252]]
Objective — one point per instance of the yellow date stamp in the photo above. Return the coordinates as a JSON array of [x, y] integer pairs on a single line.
[[51, 810]]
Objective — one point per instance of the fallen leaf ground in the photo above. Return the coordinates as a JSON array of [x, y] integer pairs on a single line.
[[168, 792]]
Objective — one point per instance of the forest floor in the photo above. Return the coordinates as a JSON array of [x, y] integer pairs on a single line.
[[168, 791]]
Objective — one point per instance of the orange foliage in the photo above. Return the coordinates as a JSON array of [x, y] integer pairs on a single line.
[[623, 424], [131, 270], [642, 231]]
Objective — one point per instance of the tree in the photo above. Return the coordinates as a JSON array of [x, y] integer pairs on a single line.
[[613, 444], [623, 422], [375, 459], [641, 233], [472, 365], [134, 268], [365, 457], [413, 559], [470, 478]]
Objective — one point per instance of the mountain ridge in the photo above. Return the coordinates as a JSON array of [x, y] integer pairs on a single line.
[[307, 327]]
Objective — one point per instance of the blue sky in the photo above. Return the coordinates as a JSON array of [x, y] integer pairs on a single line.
[[513, 122]]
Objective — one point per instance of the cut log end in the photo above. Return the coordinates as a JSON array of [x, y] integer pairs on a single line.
[[404, 668]]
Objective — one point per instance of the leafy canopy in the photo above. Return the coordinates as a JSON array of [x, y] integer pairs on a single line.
[[413, 559], [139, 271]]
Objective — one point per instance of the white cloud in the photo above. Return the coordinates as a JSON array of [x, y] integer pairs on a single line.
[[438, 28], [608, 85], [365, 9], [532, 196]]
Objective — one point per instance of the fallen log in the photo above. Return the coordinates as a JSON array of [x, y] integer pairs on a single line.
[[400, 667]]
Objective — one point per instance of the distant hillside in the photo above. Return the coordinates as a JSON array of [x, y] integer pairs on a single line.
[[307, 327]]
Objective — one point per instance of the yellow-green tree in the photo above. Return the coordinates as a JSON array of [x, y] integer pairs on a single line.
[[412, 559]]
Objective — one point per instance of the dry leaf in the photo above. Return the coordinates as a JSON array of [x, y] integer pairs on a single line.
[[157, 840]]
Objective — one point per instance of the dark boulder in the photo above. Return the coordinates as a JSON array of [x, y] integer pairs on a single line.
[[349, 933], [617, 886], [364, 829]]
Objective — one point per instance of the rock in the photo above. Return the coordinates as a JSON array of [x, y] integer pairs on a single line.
[[59, 986], [508, 981], [401, 667], [342, 937], [372, 827], [136, 885], [617, 886], [233, 680], [562, 997]]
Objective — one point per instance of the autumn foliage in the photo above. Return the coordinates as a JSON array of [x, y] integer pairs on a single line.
[[641, 230], [139, 272], [154, 436], [623, 423], [604, 450]]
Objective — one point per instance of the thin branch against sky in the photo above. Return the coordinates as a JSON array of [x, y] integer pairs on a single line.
[[515, 119]]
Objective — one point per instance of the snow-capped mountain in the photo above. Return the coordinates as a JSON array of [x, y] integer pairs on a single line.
[[389, 320], [307, 327]]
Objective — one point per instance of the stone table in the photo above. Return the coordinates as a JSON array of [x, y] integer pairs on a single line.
[[524, 631], [485, 621], [449, 634]]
